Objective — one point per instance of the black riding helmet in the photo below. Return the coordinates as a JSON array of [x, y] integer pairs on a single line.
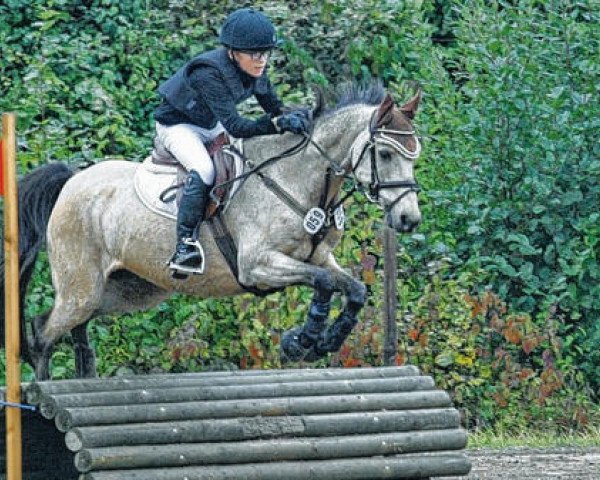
[[248, 29]]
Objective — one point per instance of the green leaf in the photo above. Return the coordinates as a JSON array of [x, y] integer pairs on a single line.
[[445, 358]]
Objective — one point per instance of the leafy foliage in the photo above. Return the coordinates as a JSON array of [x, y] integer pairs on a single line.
[[499, 290], [527, 209], [493, 360]]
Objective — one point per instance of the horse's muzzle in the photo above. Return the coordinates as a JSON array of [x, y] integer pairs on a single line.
[[405, 223]]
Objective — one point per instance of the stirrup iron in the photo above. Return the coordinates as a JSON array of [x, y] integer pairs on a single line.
[[182, 271]]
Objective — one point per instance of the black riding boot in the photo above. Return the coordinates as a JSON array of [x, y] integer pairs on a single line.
[[189, 256]]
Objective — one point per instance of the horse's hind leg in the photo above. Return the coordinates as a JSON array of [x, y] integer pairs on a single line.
[[78, 295], [85, 357], [39, 353]]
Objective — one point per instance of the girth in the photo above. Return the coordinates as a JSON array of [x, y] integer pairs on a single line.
[[229, 250]]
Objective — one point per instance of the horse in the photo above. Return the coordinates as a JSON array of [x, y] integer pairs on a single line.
[[108, 252]]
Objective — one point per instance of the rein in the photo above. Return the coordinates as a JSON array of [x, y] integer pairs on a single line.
[[255, 170], [378, 136], [326, 211]]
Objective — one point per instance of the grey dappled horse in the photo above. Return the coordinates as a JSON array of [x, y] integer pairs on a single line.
[[108, 252]]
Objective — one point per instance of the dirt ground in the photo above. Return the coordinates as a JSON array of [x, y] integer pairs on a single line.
[[534, 464]]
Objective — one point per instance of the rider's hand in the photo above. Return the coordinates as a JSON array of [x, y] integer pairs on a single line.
[[303, 112], [295, 122]]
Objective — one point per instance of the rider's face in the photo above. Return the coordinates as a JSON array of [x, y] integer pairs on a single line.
[[253, 63]]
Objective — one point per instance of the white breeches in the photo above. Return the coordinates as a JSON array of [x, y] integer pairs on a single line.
[[186, 142]]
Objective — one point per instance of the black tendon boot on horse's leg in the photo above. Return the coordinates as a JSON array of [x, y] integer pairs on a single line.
[[336, 334], [189, 255], [298, 343], [85, 357]]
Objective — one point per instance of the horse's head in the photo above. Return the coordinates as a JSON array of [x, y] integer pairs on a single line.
[[383, 162]]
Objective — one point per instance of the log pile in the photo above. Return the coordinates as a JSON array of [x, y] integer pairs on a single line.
[[329, 424]]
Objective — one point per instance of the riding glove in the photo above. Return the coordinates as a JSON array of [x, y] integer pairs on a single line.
[[295, 122], [303, 112]]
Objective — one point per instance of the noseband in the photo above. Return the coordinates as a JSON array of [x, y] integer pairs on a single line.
[[381, 136]]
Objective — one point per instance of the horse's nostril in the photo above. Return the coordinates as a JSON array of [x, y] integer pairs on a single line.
[[408, 223]]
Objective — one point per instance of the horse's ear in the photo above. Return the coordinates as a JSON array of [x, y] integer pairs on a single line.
[[320, 105], [410, 108], [385, 108]]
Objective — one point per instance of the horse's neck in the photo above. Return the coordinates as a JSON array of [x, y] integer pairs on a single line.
[[336, 135], [344, 131], [302, 174]]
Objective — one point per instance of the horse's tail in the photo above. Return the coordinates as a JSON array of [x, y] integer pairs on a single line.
[[38, 192]]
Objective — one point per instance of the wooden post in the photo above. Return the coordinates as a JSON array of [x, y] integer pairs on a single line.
[[11, 285], [390, 300]]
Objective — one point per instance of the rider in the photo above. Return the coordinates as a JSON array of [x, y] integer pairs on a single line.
[[199, 103]]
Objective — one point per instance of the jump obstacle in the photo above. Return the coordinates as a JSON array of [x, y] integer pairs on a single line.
[[371, 423]]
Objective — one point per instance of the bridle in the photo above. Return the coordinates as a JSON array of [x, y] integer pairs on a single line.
[[382, 136]]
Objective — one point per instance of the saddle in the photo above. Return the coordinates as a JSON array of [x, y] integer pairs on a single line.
[[159, 178]]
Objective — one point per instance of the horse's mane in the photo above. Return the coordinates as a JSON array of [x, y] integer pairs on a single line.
[[348, 93]]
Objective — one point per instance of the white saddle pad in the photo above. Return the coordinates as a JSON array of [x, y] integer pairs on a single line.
[[152, 179]]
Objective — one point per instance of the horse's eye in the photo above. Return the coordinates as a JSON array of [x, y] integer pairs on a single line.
[[385, 155]]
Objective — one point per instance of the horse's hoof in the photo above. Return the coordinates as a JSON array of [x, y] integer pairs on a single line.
[[291, 348], [315, 353], [293, 351]]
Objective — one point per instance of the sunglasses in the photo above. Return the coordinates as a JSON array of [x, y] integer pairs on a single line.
[[257, 55]]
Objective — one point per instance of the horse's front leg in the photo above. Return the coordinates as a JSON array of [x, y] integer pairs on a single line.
[[335, 335], [277, 270], [299, 343]]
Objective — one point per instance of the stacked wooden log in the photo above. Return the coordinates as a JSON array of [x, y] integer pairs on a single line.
[[289, 424]]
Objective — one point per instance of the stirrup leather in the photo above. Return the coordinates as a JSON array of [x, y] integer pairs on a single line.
[[184, 269]]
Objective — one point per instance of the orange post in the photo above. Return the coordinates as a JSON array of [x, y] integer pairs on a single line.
[[11, 276]]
